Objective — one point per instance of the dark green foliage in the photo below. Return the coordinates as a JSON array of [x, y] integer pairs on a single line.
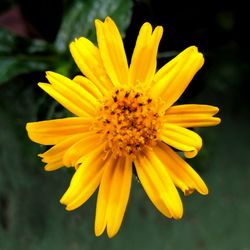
[[19, 56], [79, 19]]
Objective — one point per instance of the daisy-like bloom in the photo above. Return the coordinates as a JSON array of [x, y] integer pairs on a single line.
[[124, 117]]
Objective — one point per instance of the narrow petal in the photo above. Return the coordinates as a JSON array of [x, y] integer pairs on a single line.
[[144, 58], [178, 74], [85, 180], [192, 115], [81, 148], [180, 171], [52, 132], [54, 156], [181, 138], [158, 185], [88, 60], [52, 166], [166, 69], [119, 195], [73, 91], [67, 101], [103, 196], [112, 51], [89, 86]]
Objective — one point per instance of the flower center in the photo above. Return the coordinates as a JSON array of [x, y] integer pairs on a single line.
[[129, 121]]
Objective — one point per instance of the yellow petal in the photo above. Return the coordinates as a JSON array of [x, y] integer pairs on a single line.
[[119, 195], [180, 171], [181, 138], [112, 51], [163, 71], [178, 75], [88, 60], [65, 100], [85, 180], [52, 132], [89, 86], [158, 185], [103, 196], [55, 154], [144, 58], [192, 115], [72, 91], [81, 148], [52, 166]]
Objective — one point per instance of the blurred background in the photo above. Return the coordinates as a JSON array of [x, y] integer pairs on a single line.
[[34, 37]]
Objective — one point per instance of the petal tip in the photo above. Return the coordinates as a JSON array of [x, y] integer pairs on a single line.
[[192, 48], [191, 154], [62, 200], [218, 120], [98, 231], [206, 192], [47, 168], [98, 22], [178, 213], [69, 208], [28, 125], [159, 29], [50, 73], [111, 234], [147, 26], [108, 19], [43, 85]]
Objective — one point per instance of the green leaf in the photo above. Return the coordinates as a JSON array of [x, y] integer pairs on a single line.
[[19, 55], [79, 19]]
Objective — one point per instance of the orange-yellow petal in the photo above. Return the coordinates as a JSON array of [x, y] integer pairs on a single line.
[[67, 101], [73, 92], [166, 69], [52, 132], [183, 175], [88, 60], [181, 138], [52, 166], [54, 156], [144, 58], [192, 115], [103, 195], [81, 148], [85, 180], [89, 86], [158, 185], [112, 51], [171, 80], [119, 195]]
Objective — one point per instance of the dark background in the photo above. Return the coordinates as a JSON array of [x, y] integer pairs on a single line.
[[30, 214]]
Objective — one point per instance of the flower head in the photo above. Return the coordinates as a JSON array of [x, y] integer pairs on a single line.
[[124, 117]]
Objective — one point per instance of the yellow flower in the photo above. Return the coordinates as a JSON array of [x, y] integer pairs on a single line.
[[123, 118]]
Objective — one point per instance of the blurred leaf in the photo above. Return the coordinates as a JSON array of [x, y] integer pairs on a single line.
[[79, 19], [19, 55]]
